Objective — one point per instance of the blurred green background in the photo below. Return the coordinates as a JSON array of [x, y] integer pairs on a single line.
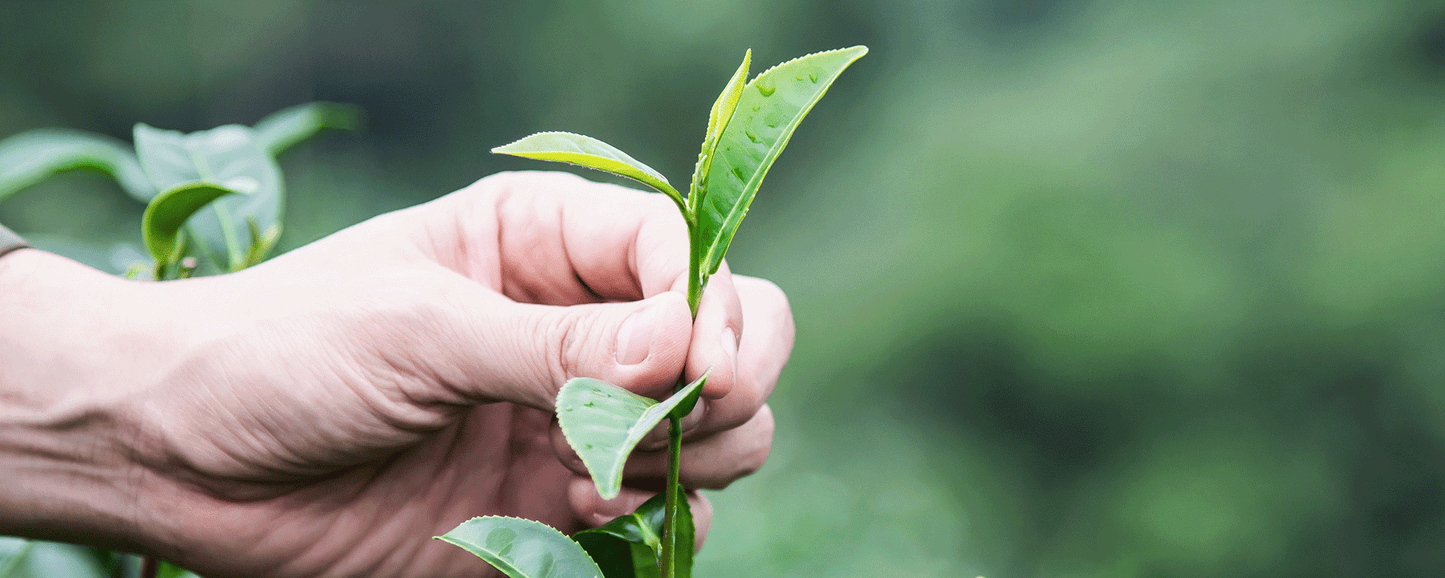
[[1083, 288]]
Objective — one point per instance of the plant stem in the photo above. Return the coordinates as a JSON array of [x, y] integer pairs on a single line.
[[674, 488], [695, 286]]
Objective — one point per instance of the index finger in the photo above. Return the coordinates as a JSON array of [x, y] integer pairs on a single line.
[[557, 239]]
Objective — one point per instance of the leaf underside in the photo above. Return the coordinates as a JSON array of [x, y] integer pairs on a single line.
[[770, 109], [29, 157], [585, 151], [226, 156], [523, 548], [604, 422]]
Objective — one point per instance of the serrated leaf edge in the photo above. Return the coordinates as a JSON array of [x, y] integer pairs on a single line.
[[568, 433], [712, 261], [455, 542], [649, 170]]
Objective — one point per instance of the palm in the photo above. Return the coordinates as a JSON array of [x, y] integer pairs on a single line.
[[373, 519]]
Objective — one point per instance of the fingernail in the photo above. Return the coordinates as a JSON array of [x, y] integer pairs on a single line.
[[730, 348], [634, 338], [613, 508]]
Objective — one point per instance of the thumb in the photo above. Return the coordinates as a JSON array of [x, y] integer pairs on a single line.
[[523, 353]]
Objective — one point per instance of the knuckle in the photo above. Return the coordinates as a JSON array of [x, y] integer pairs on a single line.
[[559, 330], [574, 338], [763, 443]]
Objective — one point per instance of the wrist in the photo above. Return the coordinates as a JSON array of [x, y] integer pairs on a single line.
[[63, 444]]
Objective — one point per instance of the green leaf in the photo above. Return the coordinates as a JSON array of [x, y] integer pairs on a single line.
[[585, 151], [284, 128], [628, 546], [29, 157], [618, 556], [169, 570], [261, 244], [768, 112], [47, 560], [12, 553], [226, 156], [523, 548], [604, 422], [161, 224], [722, 112]]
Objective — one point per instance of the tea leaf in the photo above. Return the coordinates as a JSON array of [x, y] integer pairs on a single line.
[[523, 548], [604, 422], [631, 544], [585, 151], [168, 212], [284, 128], [169, 570], [722, 112], [29, 157], [628, 546], [12, 554], [618, 558], [226, 156], [768, 112]]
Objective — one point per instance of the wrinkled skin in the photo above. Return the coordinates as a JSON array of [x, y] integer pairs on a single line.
[[327, 412]]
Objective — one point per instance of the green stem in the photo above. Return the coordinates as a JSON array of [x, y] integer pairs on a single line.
[[695, 286], [674, 487]]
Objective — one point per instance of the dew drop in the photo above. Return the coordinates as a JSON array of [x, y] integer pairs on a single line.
[[766, 88], [590, 404], [751, 136], [738, 172], [813, 76]]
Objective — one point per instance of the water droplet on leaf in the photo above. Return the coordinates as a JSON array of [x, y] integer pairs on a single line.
[[766, 88]]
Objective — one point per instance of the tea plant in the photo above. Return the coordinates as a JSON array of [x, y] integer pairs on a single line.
[[749, 125], [214, 203]]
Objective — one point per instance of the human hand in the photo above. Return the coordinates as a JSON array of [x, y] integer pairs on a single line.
[[325, 413]]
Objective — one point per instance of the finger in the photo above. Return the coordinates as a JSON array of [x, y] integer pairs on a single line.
[[712, 462], [523, 353], [561, 239], [592, 510], [762, 354], [715, 336]]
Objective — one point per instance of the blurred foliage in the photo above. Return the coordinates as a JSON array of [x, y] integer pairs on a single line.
[[1083, 288]]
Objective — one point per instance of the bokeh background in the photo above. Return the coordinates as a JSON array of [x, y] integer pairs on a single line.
[[1100, 288]]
